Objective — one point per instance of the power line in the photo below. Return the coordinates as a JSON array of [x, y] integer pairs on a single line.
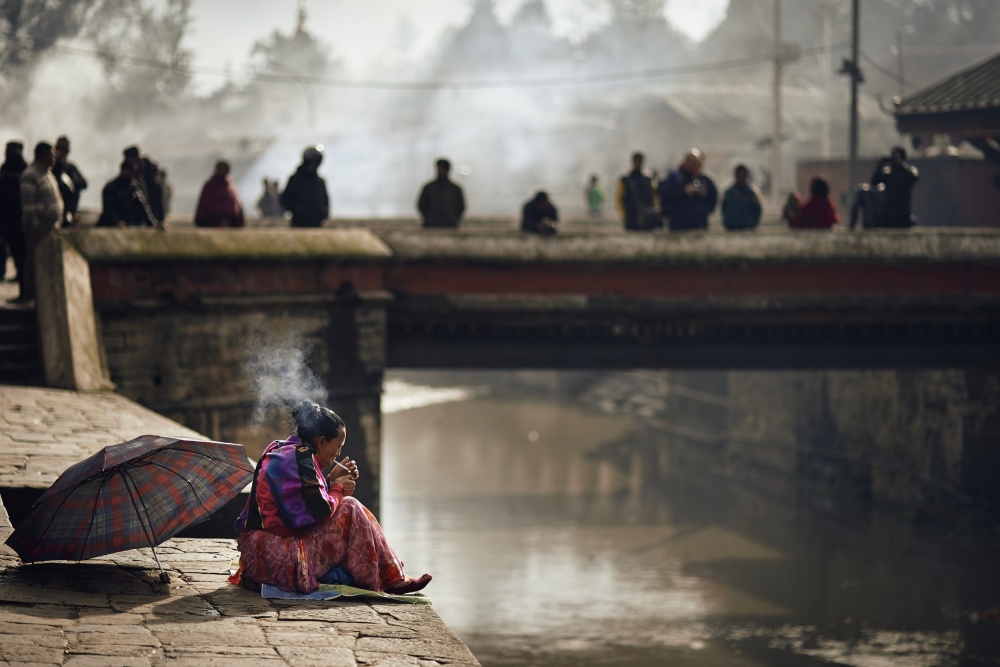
[[497, 84], [887, 72]]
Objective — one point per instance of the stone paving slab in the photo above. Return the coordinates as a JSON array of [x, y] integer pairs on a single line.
[[113, 610], [44, 431]]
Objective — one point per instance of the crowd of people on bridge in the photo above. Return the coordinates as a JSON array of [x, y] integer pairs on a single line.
[[44, 195]]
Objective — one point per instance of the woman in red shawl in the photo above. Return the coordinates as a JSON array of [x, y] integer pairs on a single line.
[[219, 204], [301, 528], [817, 213]]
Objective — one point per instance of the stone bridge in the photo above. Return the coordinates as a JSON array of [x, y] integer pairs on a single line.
[[182, 321]]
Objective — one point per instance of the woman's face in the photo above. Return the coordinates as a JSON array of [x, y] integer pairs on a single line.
[[328, 449]]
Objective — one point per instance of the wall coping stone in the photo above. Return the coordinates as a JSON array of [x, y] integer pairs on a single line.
[[220, 246], [883, 247]]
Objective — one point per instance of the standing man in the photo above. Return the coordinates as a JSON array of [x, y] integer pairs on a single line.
[[688, 196], [441, 202], [896, 178], [41, 210], [741, 204], [636, 198], [305, 194], [71, 182], [11, 231], [150, 181]]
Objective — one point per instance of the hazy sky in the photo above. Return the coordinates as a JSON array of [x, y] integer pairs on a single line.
[[359, 31]]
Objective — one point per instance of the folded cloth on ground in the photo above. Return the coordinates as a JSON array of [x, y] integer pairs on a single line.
[[333, 591]]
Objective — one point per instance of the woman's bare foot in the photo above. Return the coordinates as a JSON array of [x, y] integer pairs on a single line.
[[409, 585]]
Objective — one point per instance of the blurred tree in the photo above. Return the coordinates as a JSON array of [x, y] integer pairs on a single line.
[[965, 21], [297, 51], [140, 48], [637, 10], [142, 52], [638, 36], [294, 58], [532, 40]]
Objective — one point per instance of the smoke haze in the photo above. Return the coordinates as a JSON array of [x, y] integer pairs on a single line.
[[519, 95]]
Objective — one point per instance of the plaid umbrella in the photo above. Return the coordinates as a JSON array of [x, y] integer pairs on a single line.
[[130, 495]]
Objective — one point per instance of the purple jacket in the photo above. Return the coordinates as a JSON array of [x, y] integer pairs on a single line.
[[288, 492]]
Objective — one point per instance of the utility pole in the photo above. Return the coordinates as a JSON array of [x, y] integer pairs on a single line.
[[899, 61], [776, 120], [827, 10], [856, 78]]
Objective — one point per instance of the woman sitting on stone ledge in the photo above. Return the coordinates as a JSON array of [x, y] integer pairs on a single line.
[[301, 528]]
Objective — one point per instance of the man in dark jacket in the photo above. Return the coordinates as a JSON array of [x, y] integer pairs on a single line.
[[149, 179], [71, 181], [895, 178], [11, 232], [305, 194], [636, 198], [441, 202], [539, 215], [741, 207], [688, 196], [122, 204]]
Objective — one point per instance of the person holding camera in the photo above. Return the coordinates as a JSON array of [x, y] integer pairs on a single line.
[[539, 215], [894, 179], [688, 196]]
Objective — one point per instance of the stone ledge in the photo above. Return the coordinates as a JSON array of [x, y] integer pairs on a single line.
[[884, 247], [244, 245]]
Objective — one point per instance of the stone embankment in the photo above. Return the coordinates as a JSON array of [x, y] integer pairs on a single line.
[[113, 610]]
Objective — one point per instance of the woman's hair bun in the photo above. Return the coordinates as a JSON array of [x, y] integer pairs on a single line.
[[303, 409], [311, 420]]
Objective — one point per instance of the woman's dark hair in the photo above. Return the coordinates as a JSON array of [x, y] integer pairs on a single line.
[[313, 420], [818, 187]]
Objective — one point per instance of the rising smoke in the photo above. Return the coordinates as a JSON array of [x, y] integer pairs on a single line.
[[277, 369]]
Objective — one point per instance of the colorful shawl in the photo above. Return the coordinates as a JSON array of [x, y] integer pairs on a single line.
[[287, 491]]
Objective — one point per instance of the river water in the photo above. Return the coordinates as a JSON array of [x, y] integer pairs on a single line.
[[547, 551]]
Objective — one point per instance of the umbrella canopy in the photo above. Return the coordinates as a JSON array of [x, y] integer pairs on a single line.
[[130, 495]]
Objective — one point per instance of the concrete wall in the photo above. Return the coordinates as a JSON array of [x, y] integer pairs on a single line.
[[916, 439], [925, 442]]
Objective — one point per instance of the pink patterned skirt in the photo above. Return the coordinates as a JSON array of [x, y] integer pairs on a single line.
[[351, 537]]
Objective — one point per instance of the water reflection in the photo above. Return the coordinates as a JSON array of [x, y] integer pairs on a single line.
[[552, 544]]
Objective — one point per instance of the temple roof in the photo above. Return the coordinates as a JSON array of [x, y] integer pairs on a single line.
[[968, 101]]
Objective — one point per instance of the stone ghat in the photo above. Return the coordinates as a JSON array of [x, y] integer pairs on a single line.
[[113, 610]]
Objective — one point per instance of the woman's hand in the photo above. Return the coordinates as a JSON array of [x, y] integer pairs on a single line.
[[347, 482], [347, 467]]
